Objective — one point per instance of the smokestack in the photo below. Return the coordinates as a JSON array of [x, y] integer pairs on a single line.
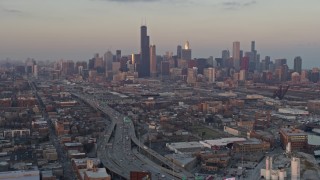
[[295, 168], [268, 170]]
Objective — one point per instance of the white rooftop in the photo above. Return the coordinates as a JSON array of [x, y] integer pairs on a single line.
[[99, 173], [96, 161], [72, 144], [293, 111], [293, 132], [221, 142], [20, 175], [227, 94], [182, 145]]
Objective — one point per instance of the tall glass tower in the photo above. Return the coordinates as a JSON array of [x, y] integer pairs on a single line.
[[297, 64], [144, 69]]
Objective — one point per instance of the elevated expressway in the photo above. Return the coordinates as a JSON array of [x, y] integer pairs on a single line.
[[121, 151]]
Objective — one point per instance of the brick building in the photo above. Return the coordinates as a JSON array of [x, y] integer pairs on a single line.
[[296, 137]]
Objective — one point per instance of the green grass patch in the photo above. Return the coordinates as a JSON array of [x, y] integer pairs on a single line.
[[204, 132]]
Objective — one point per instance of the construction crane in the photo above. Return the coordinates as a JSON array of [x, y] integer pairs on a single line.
[[280, 92]]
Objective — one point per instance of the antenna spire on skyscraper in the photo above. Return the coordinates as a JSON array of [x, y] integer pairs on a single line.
[[144, 21]]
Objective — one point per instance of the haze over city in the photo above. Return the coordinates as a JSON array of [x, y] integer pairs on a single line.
[[159, 89], [75, 29]]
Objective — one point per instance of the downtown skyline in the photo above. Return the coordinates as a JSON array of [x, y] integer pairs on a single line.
[[77, 29]]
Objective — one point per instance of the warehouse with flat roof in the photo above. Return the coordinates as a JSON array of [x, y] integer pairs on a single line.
[[185, 147], [221, 142]]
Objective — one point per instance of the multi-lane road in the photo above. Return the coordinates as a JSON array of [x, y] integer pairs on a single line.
[[65, 162], [120, 156]]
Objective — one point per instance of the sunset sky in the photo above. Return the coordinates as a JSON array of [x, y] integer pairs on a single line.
[[76, 29]]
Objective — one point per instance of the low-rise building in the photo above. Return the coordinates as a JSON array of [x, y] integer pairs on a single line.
[[236, 130], [263, 135], [26, 101], [211, 107], [214, 161], [94, 174], [47, 175], [185, 147], [82, 163], [314, 106], [247, 124], [296, 137], [220, 143], [73, 146], [87, 169], [76, 154], [5, 102], [14, 133], [62, 127], [292, 111], [20, 175], [50, 154], [251, 145], [66, 103]]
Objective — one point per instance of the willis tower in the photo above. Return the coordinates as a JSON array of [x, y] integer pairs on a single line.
[[144, 68]]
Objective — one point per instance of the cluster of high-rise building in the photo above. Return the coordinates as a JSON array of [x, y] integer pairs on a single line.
[[173, 99], [238, 65]]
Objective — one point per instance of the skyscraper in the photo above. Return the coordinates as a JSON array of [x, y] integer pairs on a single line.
[[144, 69], [236, 55], [179, 49], [118, 55], [254, 62], [315, 75], [108, 59], [67, 67], [186, 52], [253, 46], [268, 60], [297, 64], [153, 61], [225, 57], [279, 62], [98, 61], [136, 62]]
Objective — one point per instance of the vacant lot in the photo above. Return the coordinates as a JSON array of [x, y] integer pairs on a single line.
[[204, 132]]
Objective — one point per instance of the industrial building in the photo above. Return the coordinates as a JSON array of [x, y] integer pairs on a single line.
[[295, 168], [296, 137], [219, 143], [185, 147], [275, 174], [251, 145], [214, 161]]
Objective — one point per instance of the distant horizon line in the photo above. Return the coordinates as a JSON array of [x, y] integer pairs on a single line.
[[308, 67]]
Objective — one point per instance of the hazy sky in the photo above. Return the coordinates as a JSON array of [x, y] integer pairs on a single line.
[[76, 29]]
